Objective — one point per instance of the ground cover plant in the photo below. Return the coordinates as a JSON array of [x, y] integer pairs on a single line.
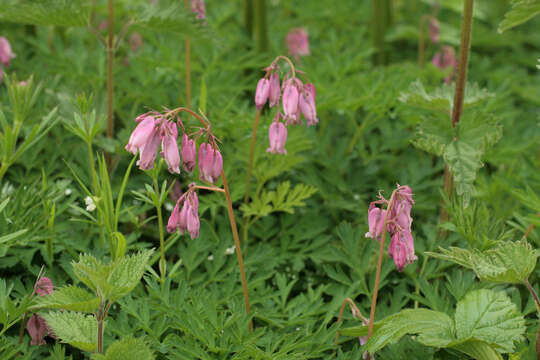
[[239, 179]]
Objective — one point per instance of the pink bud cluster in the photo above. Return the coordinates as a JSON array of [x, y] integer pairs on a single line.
[[434, 30], [6, 54], [298, 42], [198, 7], [37, 326], [446, 58], [297, 99], [186, 219], [398, 223]]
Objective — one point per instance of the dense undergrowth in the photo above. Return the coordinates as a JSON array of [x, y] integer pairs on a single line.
[[68, 208]]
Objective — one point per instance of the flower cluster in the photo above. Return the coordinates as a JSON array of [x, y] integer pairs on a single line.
[[296, 97], [446, 58], [6, 54], [298, 42], [198, 7], [434, 30], [37, 326], [186, 219], [398, 223]]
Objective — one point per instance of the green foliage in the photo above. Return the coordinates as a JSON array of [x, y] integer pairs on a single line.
[[11, 310], [484, 321], [46, 12], [282, 199], [73, 328], [522, 11], [70, 298], [126, 349], [509, 262]]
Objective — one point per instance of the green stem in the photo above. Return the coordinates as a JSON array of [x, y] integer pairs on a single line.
[[162, 264], [260, 25], [248, 17], [251, 155], [110, 79]]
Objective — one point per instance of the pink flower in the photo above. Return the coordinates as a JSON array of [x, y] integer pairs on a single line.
[[277, 135], [170, 147], [210, 163], [275, 89], [189, 152], [434, 30], [401, 249], [198, 7], [376, 218], [176, 191], [186, 219], [149, 150], [262, 92], [298, 42], [38, 329], [446, 58], [135, 41], [6, 54], [306, 103], [290, 102], [139, 137], [44, 286]]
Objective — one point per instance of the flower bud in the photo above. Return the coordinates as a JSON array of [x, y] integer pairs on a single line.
[[140, 136], [210, 163], [277, 134], [189, 152], [275, 89], [401, 249], [6, 54], [446, 58], [434, 30], [170, 147], [290, 102], [306, 103], [37, 329], [262, 92], [298, 42], [44, 286]]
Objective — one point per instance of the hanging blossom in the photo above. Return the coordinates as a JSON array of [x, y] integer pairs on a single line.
[[6, 54], [185, 216], [298, 42], [444, 59], [398, 224], [37, 326], [434, 30], [199, 8], [297, 99]]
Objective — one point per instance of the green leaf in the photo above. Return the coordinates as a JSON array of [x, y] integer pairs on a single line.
[[433, 328], [70, 298], [463, 162], [74, 328], [126, 274], [46, 12], [509, 262], [283, 199], [522, 11], [491, 317], [478, 350], [92, 272], [127, 349]]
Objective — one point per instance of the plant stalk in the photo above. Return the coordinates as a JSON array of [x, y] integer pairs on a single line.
[[251, 155], [237, 244], [261, 28], [537, 301], [379, 266], [248, 17], [162, 264], [100, 337], [421, 41], [188, 65], [110, 79]]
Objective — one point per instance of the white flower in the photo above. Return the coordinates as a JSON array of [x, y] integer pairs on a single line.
[[230, 251], [169, 207], [90, 205], [211, 258], [67, 192]]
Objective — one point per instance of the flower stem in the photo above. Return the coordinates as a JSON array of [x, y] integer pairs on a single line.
[[421, 41], [188, 65], [251, 154], [110, 79], [162, 263], [248, 17], [100, 337], [261, 27], [237, 244], [537, 301], [355, 310], [379, 266]]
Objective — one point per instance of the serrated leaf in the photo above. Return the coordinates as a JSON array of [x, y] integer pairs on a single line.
[[74, 328], [522, 11], [509, 262], [69, 298], [491, 317], [46, 12], [127, 349], [463, 162], [92, 272], [434, 328], [478, 350], [126, 274]]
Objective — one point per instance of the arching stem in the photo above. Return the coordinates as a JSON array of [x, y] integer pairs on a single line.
[[251, 155]]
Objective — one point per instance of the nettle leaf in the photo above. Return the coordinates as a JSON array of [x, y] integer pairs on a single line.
[[46, 12], [491, 317], [282, 199], [127, 273], [463, 162], [70, 298], [126, 349], [92, 272], [509, 262], [522, 11], [478, 350], [74, 328]]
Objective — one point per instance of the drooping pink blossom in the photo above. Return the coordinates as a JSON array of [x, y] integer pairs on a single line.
[[434, 30], [189, 153], [6, 54], [261, 93], [139, 137], [401, 249], [306, 104], [210, 163], [446, 58], [298, 42], [37, 329], [277, 134], [376, 218], [186, 219], [198, 7], [170, 147], [149, 150], [275, 89], [44, 286], [290, 102]]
